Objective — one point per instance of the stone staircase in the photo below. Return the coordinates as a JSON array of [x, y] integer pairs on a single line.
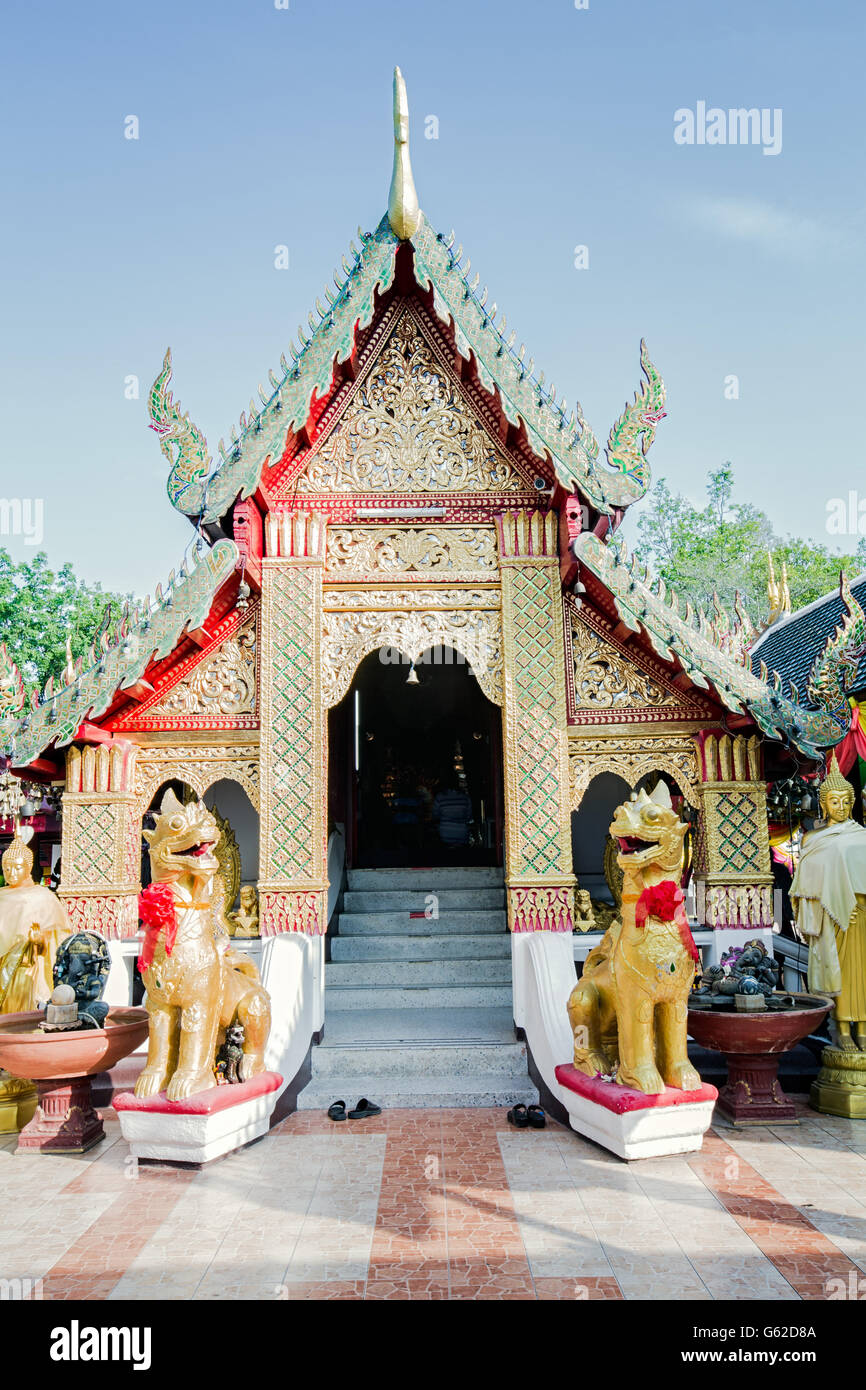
[[418, 1007]]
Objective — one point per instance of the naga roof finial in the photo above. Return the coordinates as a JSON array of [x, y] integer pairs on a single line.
[[404, 214]]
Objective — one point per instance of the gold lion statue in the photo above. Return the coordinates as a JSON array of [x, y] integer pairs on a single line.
[[629, 1009], [197, 986]]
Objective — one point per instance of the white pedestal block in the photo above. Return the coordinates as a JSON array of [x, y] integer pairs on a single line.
[[631, 1124], [204, 1126]]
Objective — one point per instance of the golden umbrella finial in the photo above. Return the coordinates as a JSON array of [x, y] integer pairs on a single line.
[[404, 214]]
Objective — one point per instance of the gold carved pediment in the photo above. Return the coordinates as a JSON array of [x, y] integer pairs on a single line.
[[608, 680], [408, 428], [224, 683]]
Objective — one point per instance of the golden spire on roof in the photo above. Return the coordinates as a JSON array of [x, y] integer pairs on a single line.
[[779, 595], [404, 214]]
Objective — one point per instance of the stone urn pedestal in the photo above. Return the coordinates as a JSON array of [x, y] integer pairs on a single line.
[[62, 1065], [753, 1043]]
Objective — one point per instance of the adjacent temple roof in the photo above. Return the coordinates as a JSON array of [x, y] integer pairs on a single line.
[[205, 493], [791, 645], [711, 651]]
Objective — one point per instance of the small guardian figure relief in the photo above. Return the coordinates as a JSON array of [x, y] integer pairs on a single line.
[[828, 896]]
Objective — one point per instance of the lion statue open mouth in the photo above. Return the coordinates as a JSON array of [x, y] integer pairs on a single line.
[[197, 986], [629, 1010]]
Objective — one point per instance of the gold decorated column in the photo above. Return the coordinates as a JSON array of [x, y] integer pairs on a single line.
[[293, 836], [733, 874], [101, 840], [539, 871]]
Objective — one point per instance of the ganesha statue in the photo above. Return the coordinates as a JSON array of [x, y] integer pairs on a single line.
[[197, 985], [629, 1010]]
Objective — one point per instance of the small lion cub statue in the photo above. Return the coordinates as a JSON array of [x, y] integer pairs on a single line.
[[197, 985], [629, 1010]]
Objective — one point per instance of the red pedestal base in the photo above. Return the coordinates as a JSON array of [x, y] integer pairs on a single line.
[[65, 1120], [752, 1094]]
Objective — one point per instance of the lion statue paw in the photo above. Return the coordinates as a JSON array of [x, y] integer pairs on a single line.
[[150, 1082]]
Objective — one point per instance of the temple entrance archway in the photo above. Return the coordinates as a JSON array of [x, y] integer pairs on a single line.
[[416, 763]]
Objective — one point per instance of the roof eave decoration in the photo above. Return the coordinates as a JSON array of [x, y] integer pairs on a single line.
[[568, 441], [186, 603], [777, 715], [205, 495]]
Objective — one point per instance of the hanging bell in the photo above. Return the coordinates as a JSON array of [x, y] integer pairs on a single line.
[[412, 678]]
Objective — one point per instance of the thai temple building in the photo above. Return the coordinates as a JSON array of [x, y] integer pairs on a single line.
[[406, 584]]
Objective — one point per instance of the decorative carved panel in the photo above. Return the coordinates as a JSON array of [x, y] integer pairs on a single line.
[[199, 765], [454, 553], [225, 683], [604, 680], [390, 600], [407, 429], [632, 757], [348, 637]]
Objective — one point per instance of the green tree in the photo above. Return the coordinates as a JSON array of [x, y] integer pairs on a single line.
[[723, 547], [39, 608]]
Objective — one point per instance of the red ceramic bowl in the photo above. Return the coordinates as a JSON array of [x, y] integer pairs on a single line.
[[28, 1052], [762, 1032]]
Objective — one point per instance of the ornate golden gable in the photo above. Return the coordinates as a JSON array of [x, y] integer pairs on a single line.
[[223, 684], [408, 429]]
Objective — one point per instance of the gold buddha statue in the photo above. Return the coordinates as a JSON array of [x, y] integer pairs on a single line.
[[245, 920], [828, 895], [33, 922]]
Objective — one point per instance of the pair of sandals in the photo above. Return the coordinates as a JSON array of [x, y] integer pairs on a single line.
[[527, 1118], [363, 1110]]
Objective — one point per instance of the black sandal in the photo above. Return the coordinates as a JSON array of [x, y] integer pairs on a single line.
[[364, 1109], [337, 1111], [518, 1117], [536, 1117]]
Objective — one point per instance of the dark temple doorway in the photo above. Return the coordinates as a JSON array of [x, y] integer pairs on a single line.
[[415, 767]]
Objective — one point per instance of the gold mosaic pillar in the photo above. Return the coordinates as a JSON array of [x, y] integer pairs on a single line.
[[100, 863], [293, 813], [539, 872], [733, 876]]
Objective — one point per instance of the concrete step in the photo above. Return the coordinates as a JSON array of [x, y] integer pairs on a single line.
[[433, 1093], [423, 880], [413, 973], [417, 997], [420, 1060], [412, 900], [495, 945], [406, 1028], [380, 923]]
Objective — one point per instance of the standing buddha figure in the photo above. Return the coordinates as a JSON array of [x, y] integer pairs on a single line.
[[828, 895]]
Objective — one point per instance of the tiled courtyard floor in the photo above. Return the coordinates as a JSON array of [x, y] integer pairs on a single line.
[[442, 1204]]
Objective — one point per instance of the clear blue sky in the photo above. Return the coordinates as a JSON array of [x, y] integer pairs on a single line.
[[261, 126]]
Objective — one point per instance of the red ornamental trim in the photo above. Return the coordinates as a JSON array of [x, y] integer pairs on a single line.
[[541, 909], [157, 908], [664, 901]]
